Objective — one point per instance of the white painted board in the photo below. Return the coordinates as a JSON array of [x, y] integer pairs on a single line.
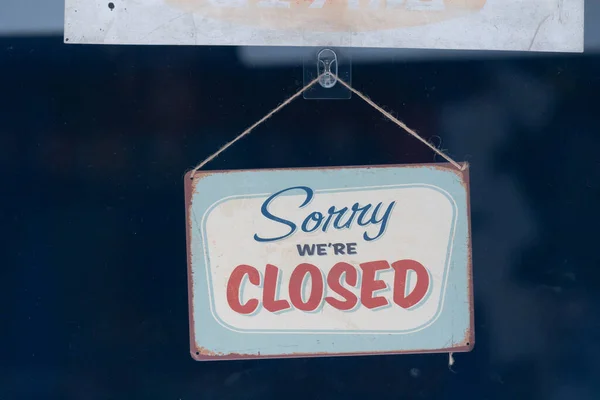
[[524, 25]]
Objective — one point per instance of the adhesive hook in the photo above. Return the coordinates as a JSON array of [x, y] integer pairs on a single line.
[[327, 64]]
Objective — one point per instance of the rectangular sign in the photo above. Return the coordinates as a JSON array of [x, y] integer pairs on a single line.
[[329, 261], [536, 25]]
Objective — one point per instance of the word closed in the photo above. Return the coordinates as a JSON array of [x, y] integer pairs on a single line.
[[329, 261], [316, 298]]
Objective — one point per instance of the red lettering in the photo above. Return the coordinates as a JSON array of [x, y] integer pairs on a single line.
[[401, 269], [271, 284], [370, 284], [316, 294], [333, 281], [340, 279], [233, 289]]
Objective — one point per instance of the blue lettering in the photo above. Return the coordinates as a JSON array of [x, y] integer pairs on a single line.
[[363, 212], [264, 209], [306, 249], [336, 224], [363, 215], [315, 217], [383, 221]]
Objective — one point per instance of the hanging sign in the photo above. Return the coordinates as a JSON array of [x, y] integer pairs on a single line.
[[540, 25], [329, 261]]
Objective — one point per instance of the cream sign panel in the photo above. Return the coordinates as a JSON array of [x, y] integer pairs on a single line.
[[329, 261], [537, 25]]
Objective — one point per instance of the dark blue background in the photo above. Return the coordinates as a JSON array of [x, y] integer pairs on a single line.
[[94, 143]]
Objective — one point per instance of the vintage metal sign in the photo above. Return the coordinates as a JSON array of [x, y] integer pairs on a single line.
[[331, 261], [542, 25]]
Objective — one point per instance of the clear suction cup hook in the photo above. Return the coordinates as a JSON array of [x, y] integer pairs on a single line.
[[329, 64], [326, 65]]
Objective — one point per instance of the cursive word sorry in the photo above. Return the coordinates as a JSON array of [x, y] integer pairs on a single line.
[[338, 218]]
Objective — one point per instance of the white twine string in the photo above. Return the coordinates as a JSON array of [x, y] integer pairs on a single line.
[[298, 94]]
